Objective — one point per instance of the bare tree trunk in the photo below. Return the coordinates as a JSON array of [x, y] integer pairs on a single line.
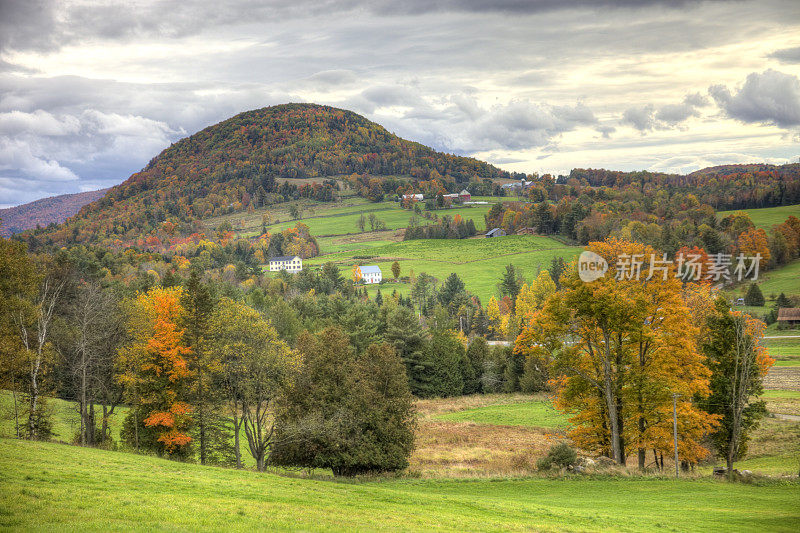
[[237, 424], [84, 411], [16, 408], [740, 381], [48, 297], [90, 425]]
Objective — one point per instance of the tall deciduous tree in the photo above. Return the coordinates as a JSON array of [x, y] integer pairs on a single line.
[[90, 335], [623, 347], [256, 366], [18, 283], [154, 368], [33, 315], [739, 363]]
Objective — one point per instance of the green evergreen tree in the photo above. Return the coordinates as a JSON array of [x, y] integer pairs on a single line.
[[404, 332], [198, 302], [350, 412], [447, 358], [782, 301], [477, 355], [451, 289], [754, 297], [510, 284]]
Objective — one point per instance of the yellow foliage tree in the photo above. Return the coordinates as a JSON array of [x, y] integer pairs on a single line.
[[623, 348]]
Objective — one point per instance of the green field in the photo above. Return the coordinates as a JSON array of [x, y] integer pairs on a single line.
[[781, 394], [66, 420], [538, 413], [480, 263], [340, 218], [55, 487], [782, 280], [767, 217], [786, 352]]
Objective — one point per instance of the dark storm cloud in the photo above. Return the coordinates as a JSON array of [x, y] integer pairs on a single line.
[[462, 76], [49, 24], [770, 97], [787, 55]]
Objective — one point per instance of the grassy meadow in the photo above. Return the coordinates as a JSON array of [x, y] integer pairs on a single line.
[[50, 486], [537, 413], [766, 217], [479, 262]]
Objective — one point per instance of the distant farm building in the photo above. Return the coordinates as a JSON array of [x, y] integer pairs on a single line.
[[496, 232], [290, 263], [370, 274], [417, 197], [789, 315], [463, 196]]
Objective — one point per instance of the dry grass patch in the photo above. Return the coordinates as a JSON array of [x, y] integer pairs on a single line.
[[464, 449]]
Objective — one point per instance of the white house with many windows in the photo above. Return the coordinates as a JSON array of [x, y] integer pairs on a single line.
[[370, 274], [290, 263]]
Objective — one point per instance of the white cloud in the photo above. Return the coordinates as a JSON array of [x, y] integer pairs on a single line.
[[17, 157], [769, 97]]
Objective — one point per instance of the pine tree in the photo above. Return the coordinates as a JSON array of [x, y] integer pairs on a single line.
[[477, 355], [198, 304], [404, 332], [754, 297], [510, 284], [347, 411]]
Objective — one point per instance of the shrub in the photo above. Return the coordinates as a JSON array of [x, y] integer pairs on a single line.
[[560, 455]]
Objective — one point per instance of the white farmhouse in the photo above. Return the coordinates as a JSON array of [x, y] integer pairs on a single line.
[[370, 274], [290, 263]]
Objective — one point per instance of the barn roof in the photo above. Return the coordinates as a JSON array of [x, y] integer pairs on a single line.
[[789, 313]]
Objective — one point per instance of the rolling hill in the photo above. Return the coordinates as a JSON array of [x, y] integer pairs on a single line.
[[52, 210], [258, 158]]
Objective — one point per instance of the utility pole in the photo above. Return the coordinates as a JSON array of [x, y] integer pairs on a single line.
[[675, 429]]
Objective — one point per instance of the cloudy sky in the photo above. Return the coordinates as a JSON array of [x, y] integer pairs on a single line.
[[91, 91]]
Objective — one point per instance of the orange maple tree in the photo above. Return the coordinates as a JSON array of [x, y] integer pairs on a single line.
[[159, 368]]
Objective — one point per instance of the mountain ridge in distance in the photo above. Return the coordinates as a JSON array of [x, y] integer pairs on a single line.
[[45, 211]]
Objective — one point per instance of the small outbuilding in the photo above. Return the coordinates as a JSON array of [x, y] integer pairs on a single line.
[[789, 316], [496, 232]]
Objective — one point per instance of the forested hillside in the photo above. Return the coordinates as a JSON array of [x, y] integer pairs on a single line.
[[722, 187], [259, 158], [55, 209]]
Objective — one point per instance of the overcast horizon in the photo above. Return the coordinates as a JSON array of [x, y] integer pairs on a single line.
[[89, 92]]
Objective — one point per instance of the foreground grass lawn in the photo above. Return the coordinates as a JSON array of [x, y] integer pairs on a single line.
[[52, 486]]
